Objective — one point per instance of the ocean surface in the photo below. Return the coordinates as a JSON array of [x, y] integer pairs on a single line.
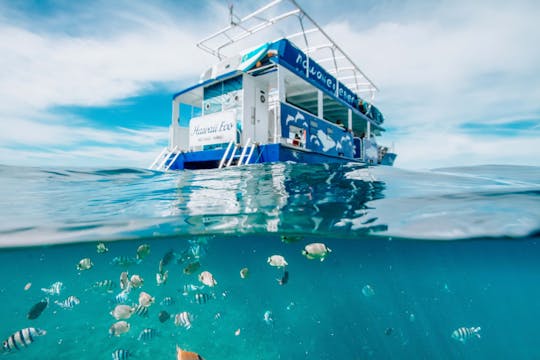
[[440, 264]]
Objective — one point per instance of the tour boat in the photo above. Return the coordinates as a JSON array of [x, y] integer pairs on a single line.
[[296, 98]]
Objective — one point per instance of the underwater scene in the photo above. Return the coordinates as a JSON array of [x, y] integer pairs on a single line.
[[270, 261]]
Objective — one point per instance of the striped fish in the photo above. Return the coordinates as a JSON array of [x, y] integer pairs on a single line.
[[121, 354], [147, 334], [69, 303], [189, 288], [54, 289], [167, 301], [105, 285], [21, 339], [183, 319], [202, 298], [125, 261], [140, 310], [122, 297], [465, 333]]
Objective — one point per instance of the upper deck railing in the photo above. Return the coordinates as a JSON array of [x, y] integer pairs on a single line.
[[317, 44]]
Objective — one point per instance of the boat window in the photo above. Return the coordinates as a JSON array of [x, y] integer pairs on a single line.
[[187, 112], [223, 95]]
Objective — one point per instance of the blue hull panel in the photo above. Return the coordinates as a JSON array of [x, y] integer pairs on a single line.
[[210, 159]]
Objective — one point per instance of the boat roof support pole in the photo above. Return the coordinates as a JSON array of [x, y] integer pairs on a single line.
[[349, 113], [306, 41], [320, 109]]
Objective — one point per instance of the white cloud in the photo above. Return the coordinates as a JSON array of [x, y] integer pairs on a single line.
[[454, 63]]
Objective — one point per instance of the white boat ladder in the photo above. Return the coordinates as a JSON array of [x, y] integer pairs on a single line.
[[229, 159], [165, 159]]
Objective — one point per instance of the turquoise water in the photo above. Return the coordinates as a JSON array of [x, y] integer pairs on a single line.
[[415, 256]]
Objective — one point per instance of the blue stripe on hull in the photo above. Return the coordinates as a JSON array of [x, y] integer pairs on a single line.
[[210, 159]]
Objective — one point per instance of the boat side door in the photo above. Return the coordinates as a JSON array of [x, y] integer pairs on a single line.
[[260, 118]]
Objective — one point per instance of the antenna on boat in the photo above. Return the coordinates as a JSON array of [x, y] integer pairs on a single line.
[[231, 15]]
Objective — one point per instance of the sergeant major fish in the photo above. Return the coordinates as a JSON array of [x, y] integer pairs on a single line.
[[106, 285], [183, 319], [68, 303], [21, 339], [122, 297], [147, 334], [463, 334], [121, 354], [202, 298], [125, 261], [54, 289], [140, 310]]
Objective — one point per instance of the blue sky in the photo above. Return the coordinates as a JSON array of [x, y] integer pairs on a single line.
[[90, 83]]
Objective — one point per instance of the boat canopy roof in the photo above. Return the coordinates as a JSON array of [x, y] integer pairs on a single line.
[[286, 19]]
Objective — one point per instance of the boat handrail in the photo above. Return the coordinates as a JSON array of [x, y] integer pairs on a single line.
[[161, 154], [243, 153], [225, 154]]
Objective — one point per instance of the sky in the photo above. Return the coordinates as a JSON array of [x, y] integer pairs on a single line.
[[90, 83]]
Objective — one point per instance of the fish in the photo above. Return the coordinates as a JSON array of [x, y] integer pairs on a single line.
[[183, 319], [288, 239], [463, 334], [145, 299], [196, 251], [284, 279], [21, 339], [368, 291], [136, 281], [121, 354], [124, 280], [161, 277], [187, 355], [54, 289], [147, 334], [189, 288], [143, 251], [192, 267], [122, 312], [268, 317], [140, 310], [277, 261], [163, 316], [207, 279], [122, 297], [68, 303], [202, 298], [107, 285], [119, 328], [125, 261], [101, 248], [244, 273], [37, 309], [167, 301], [85, 264], [316, 251], [167, 258]]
